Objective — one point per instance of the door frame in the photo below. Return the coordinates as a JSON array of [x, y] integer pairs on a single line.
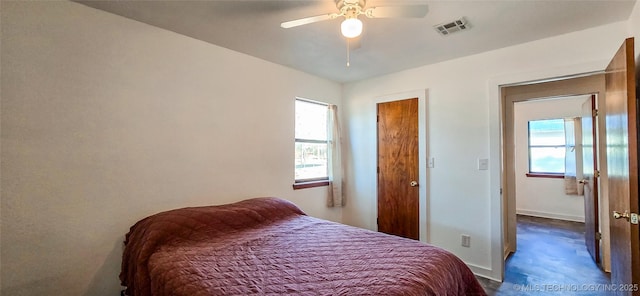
[[496, 149], [584, 84], [423, 201], [564, 87]]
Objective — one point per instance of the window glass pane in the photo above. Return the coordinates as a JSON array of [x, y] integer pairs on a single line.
[[311, 160], [546, 159], [546, 132], [311, 121]]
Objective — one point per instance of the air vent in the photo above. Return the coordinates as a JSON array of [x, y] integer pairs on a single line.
[[446, 29]]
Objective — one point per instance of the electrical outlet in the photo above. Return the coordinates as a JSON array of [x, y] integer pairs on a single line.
[[466, 241]]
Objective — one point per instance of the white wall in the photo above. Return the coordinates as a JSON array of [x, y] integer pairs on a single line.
[[463, 125], [634, 31], [544, 197], [106, 120]]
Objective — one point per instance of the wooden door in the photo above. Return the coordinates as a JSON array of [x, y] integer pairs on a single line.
[[589, 181], [398, 168], [622, 167]]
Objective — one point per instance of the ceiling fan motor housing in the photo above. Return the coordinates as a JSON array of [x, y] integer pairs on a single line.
[[350, 8], [342, 3]]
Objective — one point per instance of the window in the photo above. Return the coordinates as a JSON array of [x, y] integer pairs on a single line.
[[546, 147], [311, 142]]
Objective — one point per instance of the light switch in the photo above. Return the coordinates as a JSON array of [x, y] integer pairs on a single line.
[[431, 163], [483, 164]]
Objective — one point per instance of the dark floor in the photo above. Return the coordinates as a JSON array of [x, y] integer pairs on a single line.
[[551, 259]]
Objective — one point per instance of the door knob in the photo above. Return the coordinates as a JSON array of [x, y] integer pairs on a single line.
[[583, 181], [413, 183], [618, 215]]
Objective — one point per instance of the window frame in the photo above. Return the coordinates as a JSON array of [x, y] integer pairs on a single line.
[[311, 182], [531, 174]]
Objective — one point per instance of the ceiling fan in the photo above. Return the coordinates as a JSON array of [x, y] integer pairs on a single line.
[[351, 27]]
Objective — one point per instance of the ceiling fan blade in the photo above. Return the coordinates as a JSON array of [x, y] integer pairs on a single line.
[[305, 21], [409, 11]]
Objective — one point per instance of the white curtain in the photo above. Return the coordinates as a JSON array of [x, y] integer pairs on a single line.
[[573, 156], [335, 197]]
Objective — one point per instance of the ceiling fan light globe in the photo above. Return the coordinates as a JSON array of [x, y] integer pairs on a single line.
[[351, 27]]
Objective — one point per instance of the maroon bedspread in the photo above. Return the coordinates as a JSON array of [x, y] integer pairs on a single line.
[[269, 246]]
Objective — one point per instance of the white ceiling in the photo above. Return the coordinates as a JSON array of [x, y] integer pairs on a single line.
[[386, 46]]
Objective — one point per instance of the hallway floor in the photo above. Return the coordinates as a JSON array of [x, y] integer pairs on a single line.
[[551, 259]]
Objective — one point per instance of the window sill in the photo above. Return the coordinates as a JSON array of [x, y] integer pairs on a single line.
[[545, 175], [310, 184]]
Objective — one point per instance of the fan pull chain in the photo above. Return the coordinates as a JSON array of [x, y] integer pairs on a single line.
[[348, 47]]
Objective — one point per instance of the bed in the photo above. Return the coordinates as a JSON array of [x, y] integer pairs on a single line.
[[268, 246]]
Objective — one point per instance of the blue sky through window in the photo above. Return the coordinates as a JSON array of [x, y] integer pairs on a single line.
[[546, 146]]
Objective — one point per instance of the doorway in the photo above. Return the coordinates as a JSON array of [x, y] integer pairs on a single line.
[[618, 170], [583, 85], [555, 161]]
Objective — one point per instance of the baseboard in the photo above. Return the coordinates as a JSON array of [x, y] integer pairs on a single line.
[[507, 251], [550, 215], [483, 272]]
